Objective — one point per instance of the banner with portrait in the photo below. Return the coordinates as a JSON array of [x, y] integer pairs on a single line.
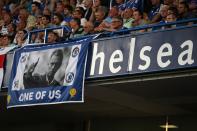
[[48, 74]]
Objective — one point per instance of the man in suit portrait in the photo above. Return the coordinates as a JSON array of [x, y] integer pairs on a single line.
[[32, 80]]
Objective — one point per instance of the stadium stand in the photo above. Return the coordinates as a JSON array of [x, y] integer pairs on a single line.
[[19, 18]]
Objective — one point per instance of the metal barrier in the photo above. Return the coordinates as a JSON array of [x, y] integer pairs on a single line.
[[150, 27], [180, 24], [46, 30]]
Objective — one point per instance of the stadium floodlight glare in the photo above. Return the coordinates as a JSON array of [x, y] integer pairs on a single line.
[[168, 126]]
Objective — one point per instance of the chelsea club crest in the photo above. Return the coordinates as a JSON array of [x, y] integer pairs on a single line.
[[75, 52], [69, 77]]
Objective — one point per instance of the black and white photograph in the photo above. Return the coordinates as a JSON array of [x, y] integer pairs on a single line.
[[42, 68]]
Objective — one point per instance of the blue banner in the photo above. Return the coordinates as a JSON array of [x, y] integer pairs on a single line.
[[48, 74], [145, 53]]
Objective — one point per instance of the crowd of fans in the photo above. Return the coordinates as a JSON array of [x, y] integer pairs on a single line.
[[84, 17]]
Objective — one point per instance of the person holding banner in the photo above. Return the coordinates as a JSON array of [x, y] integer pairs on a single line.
[[31, 79]]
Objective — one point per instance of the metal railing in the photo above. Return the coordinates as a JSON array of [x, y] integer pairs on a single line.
[[134, 30], [153, 27], [46, 30]]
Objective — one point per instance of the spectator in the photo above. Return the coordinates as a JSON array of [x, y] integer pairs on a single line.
[[99, 15], [51, 5], [88, 5], [77, 30], [46, 11], [21, 38], [171, 18], [193, 6], [20, 25], [79, 13], [35, 9], [11, 28], [80, 3], [113, 12], [31, 22], [52, 37], [128, 18], [37, 37], [7, 18], [67, 14], [173, 10], [161, 16], [155, 9], [88, 28], [138, 19], [120, 4], [59, 8], [39, 22], [97, 5], [164, 12], [107, 21], [23, 15], [5, 40], [46, 21], [183, 10], [57, 19], [24, 18], [73, 3], [168, 2], [116, 24], [134, 4], [4, 23], [22, 4]]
